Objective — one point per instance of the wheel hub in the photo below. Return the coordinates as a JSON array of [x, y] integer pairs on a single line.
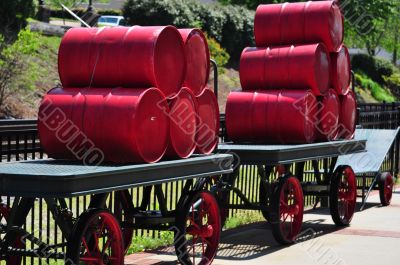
[[203, 231]]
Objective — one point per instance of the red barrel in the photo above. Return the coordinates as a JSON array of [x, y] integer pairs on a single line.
[[121, 56], [197, 59], [60, 121], [76, 57], [271, 117], [347, 118], [307, 22], [328, 116], [208, 122], [120, 125], [341, 70], [183, 119], [291, 67]]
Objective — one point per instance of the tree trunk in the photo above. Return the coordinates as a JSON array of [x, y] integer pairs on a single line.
[[395, 49]]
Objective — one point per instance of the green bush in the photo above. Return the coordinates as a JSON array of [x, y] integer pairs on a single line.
[[377, 69], [217, 53], [231, 26], [377, 91]]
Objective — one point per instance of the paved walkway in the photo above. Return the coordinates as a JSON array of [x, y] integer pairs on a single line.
[[373, 238]]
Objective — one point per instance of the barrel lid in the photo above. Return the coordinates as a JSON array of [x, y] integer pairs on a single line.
[[182, 124], [169, 61], [322, 68], [197, 59], [208, 123], [151, 125], [328, 116], [341, 70], [336, 25], [348, 113]]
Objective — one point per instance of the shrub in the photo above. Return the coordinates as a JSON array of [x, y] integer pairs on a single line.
[[377, 69], [231, 26], [217, 53], [12, 59]]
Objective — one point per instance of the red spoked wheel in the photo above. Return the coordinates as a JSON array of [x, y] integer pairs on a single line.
[[4, 213], [197, 229], [96, 240], [343, 195], [386, 183], [123, 211], [287, 205]]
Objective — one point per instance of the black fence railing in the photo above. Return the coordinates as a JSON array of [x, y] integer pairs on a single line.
[[19, 141]]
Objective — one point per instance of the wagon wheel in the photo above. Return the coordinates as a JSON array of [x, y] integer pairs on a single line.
[[386, 184], [264, 200], [4, 213], [96, 239], [212, 184], [287, 205], [343, 195], [123, 210], [197, 229]]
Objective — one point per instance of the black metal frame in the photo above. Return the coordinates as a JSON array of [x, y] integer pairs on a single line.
[[163, 219]]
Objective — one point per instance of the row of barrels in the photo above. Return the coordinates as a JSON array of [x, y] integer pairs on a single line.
[[296, 82], [130, 95]]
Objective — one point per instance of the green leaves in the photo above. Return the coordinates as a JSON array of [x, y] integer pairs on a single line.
[[231, 26]]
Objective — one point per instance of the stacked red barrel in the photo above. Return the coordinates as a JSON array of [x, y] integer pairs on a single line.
[[129, 95], [296, 82]]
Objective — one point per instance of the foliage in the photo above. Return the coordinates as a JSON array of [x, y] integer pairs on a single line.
[[393, 83], [366, 22], [377, 69], [378, 92], [217, 53], [12, 59], [231, 26], [13, 17]]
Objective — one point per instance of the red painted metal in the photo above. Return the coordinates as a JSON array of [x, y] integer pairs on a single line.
[[347, 195], [183, 124], [125, 125], [347, 117], [291, 209], [341, 70], [60, 118], [207, 123], [328, 116], [289, 67], [307, 22], [276, 116], [19, 243], [122, 56], [388, 188], [204, 228], [197, 59]]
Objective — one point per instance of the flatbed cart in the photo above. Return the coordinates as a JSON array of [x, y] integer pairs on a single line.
[[369, 165], [99, 236], [281, 201]]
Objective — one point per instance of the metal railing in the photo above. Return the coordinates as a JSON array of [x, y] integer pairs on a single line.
[[19, 141]]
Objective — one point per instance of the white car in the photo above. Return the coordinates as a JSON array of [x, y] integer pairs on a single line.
[[111, 21]]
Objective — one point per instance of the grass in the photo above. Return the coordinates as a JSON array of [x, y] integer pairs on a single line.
[[378, 92]]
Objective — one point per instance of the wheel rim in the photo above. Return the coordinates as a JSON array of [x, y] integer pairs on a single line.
[[347, 195], [202, 229], [388, 189], [291, 209], [101, 243]]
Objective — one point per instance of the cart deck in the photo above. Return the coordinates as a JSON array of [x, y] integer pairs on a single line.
[[285, 154], [377, 147], [60, 179]]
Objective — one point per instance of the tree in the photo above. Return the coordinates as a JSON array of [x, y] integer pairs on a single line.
[[391, 40], [367, 22], [14, 14]]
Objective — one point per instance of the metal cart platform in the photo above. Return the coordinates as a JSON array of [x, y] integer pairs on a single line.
[[281, 200], [99, 235]]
